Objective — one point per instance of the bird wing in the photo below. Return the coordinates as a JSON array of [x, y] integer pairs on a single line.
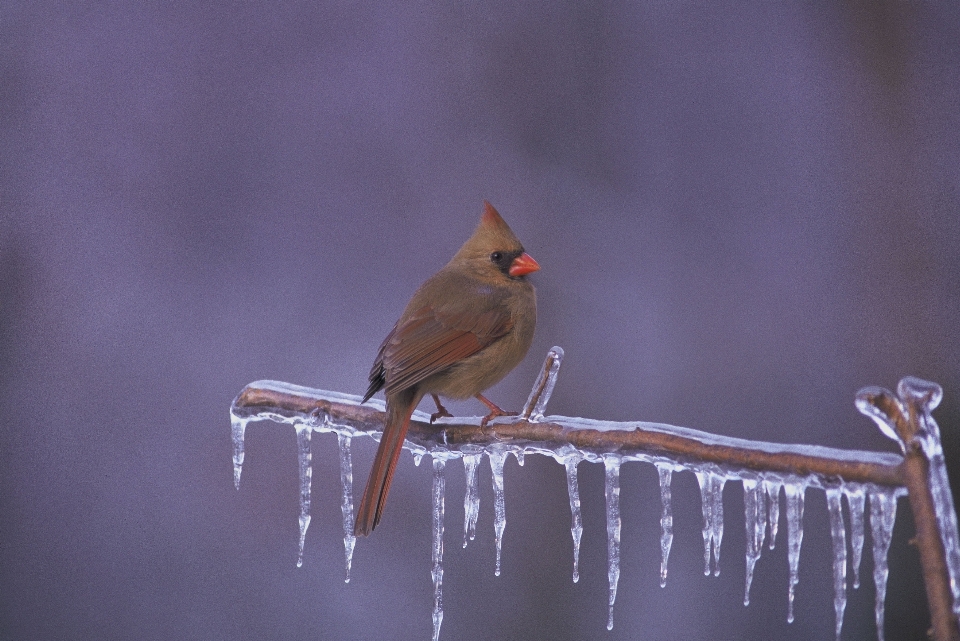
[[429, 341]]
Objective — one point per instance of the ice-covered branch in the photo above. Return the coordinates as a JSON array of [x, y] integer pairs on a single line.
[[763, 468], [905, 418]]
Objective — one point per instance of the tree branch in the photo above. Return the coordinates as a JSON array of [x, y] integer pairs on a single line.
[[557, 435]]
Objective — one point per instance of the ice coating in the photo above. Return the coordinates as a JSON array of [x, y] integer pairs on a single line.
[[572, 423], [576, 523], [536, 403], [306, 475], [883, 512], [794, 491], [611, 464], [838, 538], [711, 493], [755, 521], [884, 422], [706, 438], [436, 573], [346, 502], [914, 401], [497, 459], [772, 488], [925, 396], [946, 521], [238, 427], [666, 520], [471, 495], [856, 501]]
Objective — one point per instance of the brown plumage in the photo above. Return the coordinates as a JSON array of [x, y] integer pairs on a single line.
[[464, 329]]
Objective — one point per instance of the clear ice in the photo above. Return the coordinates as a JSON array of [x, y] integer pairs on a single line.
[[576, 523], [436, 573], [346, 502], [497, 459], [711, 482], [238, 426], [611, 465], [761, 490], [306, 475], [536, 403], [471, 495], [926, 396], [838, 537], [917, 398], [772, 488], [755, 520], [856, 501], [883, 512], [666, 520], [794, 490]]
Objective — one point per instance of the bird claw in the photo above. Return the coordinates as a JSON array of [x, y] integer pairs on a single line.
[[443, 413], [496, 414], [441, 410]]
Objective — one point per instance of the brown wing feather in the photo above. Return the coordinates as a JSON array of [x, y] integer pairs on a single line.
[[429, 342]]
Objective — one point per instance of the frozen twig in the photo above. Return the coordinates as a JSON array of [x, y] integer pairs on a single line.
[[294, 404], [906, 419]]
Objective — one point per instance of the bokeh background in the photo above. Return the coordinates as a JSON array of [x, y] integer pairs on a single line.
[[744, 212]]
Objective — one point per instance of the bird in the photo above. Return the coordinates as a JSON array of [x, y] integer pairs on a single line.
[[463, 330]]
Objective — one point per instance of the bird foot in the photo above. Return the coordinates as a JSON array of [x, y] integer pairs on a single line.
[[496, 414], [495, 411], [443, 413], [441, 410]]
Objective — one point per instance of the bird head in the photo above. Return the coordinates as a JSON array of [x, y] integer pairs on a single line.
[[493, 248]]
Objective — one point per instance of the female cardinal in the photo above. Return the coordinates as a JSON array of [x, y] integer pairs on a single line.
[[463, 330]]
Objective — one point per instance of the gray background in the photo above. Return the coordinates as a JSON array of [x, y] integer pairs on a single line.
[[744, 213]]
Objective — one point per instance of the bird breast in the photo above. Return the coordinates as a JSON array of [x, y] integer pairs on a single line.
[[484, 369]]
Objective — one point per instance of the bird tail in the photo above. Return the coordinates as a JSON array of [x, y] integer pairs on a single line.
[[399, 410]]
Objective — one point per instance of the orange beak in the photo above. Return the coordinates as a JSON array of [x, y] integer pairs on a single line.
[[523, 264]]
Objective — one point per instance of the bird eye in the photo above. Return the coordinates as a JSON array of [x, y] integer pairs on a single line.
[[496, 257]]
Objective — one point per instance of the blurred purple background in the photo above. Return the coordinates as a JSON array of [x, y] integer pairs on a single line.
[[744, 214]]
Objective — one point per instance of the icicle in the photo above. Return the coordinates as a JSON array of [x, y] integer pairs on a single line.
[[755, 520], [576, 523], [346, 504], [883, 512], [306, 475], [417, 457], [839, 539], [794, 492], [706, 503], [437, 572], [471, 496], [497, 459], [611, 463], [856, 496], [536, 404], [519, 454], [666, 520], [711, 495], [237, 428], [773, 502]]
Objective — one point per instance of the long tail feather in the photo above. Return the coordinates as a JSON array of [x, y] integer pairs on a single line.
[[399, 410]]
